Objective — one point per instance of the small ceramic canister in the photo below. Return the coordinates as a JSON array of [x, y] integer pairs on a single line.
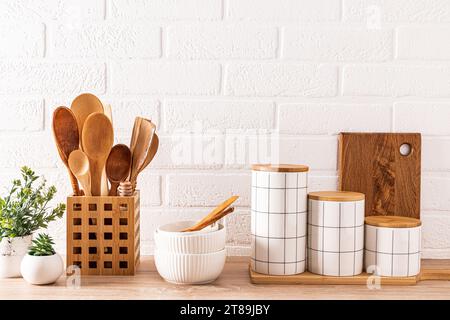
[[335, 233], [278, 225], [392, 246]]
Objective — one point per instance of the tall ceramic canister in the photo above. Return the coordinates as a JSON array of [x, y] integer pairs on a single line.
[[278, 223], [335, 233]]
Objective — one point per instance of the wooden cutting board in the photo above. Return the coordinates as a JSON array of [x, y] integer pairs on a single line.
[[372, 163]]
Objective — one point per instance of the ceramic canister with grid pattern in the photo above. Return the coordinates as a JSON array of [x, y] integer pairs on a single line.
[[392, 246], [278, 223], [335, 233]]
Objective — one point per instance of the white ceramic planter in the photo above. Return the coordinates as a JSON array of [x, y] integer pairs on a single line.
[[12, 250], [335, 233], [42, 269], [278, 222], [392, 247]]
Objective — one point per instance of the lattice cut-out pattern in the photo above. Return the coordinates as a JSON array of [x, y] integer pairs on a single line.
[[103, 234]]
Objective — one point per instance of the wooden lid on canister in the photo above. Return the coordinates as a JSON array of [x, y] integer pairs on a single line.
[[340, 196], [392, 222], [280, 167]]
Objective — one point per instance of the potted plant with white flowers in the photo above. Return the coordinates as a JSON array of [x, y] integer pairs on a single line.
[[22, 212], [42, 265]]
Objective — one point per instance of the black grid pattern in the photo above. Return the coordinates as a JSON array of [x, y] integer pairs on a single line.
[[391, 261], [323, 235], [278, 213]]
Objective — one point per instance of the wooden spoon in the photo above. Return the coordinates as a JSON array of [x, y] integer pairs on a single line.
[[79, 165], [65, 132], [210, 220], [221, 207], [83, 106], [118, 166], [143, 142], [97, 139]]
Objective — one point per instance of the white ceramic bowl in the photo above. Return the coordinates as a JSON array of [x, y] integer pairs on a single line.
[[190, 268], [168, 238]]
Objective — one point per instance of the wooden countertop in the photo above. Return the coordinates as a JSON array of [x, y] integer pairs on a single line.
[[234, 283]]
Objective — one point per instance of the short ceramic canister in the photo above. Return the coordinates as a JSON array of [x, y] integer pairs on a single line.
[[278, 221], [335, 233], [392, 246]]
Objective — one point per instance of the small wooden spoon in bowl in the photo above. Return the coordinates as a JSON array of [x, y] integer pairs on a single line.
[[212, 216], [79, 165], [118, 166], [210, 220]]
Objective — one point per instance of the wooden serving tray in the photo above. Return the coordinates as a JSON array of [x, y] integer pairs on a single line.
[[431, 270], [309, 278]]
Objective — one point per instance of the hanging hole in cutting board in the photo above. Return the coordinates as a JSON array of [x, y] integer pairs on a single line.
[[405, 149]]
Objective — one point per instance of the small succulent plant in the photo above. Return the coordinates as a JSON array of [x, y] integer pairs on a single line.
[[42, 246]]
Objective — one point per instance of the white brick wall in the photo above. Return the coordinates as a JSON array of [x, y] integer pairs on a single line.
[[285, 80], [221, 41], [337, 44], [225, 71]]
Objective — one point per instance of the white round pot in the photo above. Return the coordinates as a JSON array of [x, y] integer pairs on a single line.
[[190, 268], [168, 238], [42, 269], [12, 250]]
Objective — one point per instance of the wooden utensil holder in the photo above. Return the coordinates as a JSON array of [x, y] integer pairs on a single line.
[[103, 234]]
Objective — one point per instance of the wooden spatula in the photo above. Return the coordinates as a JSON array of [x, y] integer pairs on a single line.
[[221, 207], [66, 134], [151, 153], [210, 220], [79, 165], [134, 135], [97, 139], [141, 148], [118, 166], [83, 106]]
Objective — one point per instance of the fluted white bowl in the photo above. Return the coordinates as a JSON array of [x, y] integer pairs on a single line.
[[190, 268], [168, 238]]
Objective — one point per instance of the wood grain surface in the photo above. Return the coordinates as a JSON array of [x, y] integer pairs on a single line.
[[340, 196], [392, 222], [233, 283], [371, 163], [280, 167], [103, 234]]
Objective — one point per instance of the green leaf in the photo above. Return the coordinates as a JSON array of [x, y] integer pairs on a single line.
[[42, 246], [25, 209]]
